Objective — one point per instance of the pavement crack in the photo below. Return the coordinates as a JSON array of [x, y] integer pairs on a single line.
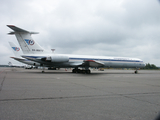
[[85, 96], [143, 101], [131, 96], [56, 98], [2, 82]]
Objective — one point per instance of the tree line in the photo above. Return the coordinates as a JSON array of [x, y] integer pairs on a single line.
[[150, 66]]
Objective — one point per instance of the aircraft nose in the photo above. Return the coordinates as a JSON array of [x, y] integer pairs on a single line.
[[143, 64]]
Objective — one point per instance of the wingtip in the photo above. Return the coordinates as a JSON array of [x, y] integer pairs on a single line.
[[10, 25]]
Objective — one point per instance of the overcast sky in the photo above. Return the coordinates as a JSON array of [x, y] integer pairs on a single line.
[[120, 28]]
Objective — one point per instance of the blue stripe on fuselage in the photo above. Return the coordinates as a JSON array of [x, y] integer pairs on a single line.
[[105, 59], [35, 56]]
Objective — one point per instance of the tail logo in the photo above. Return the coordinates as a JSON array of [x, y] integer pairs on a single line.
[[16, 48], [29, 42]]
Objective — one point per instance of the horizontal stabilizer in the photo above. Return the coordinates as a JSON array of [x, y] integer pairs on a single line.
[[17, 29]]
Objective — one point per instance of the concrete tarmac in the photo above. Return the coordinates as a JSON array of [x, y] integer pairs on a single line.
[[62, 95]]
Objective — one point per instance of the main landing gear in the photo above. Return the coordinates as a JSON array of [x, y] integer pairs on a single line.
[[76, 70], [43, 68]]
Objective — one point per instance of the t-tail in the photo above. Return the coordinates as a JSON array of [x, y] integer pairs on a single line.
[[27, 44], [16, 50]]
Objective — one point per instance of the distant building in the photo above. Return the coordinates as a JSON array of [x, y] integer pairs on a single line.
[[4, 65]]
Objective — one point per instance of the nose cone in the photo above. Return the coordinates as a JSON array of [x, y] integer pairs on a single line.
[[143, 65]]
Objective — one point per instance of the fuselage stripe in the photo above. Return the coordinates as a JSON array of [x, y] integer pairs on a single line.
[[104, 59]]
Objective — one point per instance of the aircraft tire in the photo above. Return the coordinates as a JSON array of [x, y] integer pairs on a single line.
[[136, 72], [88, 71], [74, 71], [83, 71], [78, 71]]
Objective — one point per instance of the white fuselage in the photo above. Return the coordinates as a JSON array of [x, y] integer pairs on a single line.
[[75, 60]]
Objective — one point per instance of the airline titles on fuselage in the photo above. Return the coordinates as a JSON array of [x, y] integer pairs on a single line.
[[37, 50]]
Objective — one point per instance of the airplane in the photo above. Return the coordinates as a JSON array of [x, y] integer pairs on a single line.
[[14, 65], [34, 52], [17, 52]]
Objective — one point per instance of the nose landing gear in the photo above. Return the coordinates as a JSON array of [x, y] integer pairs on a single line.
[[136, 71]]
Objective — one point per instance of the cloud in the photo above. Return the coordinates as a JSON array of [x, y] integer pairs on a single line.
[[128, 28]]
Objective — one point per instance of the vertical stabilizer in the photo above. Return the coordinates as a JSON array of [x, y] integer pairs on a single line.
[[16, 50], [27, 44]]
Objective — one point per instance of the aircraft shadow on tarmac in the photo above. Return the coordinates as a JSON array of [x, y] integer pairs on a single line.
[[92, 72], [68, 73]]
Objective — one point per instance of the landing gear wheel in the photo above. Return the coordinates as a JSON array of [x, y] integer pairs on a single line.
[[136, 72], [88, 71], [74, 71], [81, 71], [78, 71]]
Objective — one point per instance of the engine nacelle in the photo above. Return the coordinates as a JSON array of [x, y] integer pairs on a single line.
[[56, 58], [36, 64]]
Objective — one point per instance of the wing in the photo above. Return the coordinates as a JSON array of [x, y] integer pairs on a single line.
[[18, 58], [85, 63]]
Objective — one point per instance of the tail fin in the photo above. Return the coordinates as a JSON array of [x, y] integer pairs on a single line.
[[16, 50], [27, 44]]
